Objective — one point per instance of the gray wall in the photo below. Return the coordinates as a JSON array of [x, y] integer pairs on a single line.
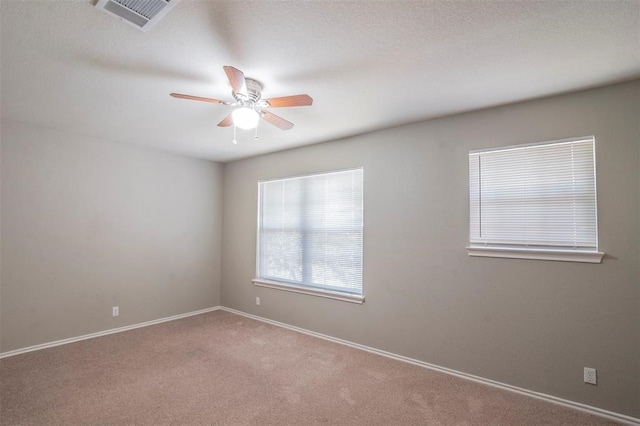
[[532, 324], [89, 224]]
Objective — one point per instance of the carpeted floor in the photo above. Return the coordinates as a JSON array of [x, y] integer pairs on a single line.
[[223, 369]]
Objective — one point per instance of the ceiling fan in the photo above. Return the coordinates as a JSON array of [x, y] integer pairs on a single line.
[[251, 107]]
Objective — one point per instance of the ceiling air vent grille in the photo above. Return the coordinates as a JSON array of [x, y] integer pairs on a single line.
[[142, 14]]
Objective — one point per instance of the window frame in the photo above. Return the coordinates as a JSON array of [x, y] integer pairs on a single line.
[[300, 287], [523, 251]]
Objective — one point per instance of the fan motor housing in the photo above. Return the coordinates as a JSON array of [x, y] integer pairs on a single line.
[[254, 92]]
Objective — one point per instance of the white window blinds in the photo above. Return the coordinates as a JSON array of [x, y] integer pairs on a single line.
[[310, 231], [535, 196]]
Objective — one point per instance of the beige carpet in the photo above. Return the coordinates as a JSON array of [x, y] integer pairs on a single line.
[[223, 369]]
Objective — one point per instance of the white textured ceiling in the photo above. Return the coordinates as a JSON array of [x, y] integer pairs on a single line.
[[367, 64]]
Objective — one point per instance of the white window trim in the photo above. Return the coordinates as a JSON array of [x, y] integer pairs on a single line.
[[336, 295], [537, 254]]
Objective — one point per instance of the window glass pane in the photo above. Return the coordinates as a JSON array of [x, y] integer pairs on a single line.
[[336, 260], [282, 257]]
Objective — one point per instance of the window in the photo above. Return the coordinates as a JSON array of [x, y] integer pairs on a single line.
[[534, 202], [310, 234]]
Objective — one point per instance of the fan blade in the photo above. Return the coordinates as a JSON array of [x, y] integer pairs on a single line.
[[196, 98], [236, 78], [276, 121], [226, 122], [290, 101]]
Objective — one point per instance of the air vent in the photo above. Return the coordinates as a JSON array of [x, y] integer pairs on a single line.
[[142, 14]]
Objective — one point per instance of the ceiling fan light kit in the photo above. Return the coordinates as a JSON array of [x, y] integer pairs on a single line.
[[247, 93], [245, 118]]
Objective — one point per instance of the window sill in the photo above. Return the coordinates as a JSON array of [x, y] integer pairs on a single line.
[[345, 297], [537, 254]]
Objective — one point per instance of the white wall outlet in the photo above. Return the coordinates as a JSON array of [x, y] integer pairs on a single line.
[[590, 376], [257, 301], [115, 311]]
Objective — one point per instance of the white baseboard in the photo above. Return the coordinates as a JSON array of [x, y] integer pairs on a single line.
[[104, 333], [621, 418], [610, 415]]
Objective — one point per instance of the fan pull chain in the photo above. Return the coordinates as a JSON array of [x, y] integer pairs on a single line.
[[255, 136]]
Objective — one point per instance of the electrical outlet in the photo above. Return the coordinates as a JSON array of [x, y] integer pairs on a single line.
[[115, 311], [590, 376], [257, 301]]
